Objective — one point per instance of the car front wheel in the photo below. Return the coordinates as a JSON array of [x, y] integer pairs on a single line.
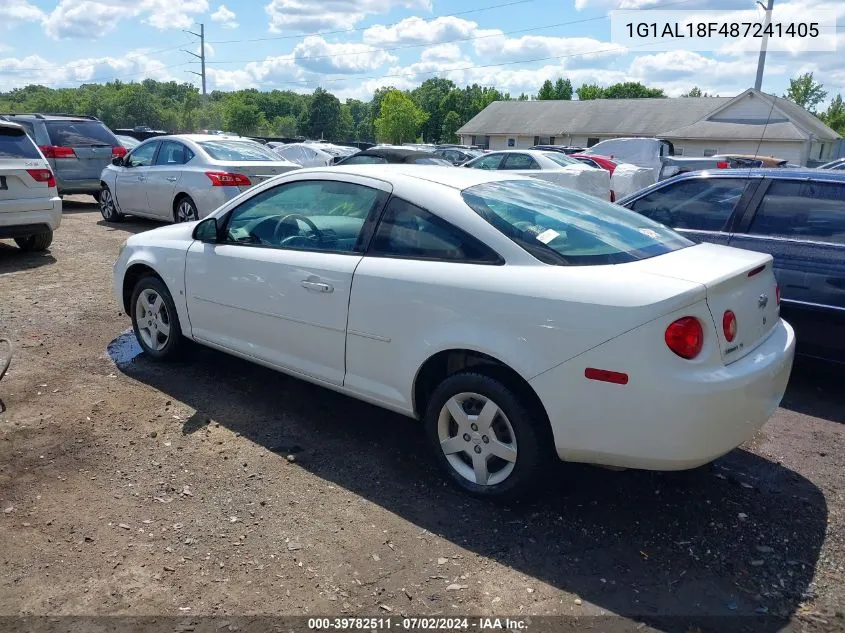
[[486, 436], [108, 207], [155, 320], [35, 243]]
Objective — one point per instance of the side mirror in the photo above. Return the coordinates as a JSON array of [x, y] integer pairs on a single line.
[[207, 231], [117, 161]]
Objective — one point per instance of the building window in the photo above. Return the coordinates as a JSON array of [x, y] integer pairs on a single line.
[[592, 140], [511, 142], [821, 151], [551, 140], [480, 141], [711, 152], [679, 151], [536, 140]]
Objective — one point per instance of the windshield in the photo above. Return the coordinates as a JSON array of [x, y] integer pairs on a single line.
[[80, 134], [238, 150], [561, 159], [563, 227]]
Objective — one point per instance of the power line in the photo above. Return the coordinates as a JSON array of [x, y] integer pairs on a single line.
[[80, 64], [364, 28]]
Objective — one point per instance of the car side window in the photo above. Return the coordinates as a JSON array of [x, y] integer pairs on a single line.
[[491, 161], [321, 215], [173, 153], [142, 156], [408, 231], [364, 160], [702, 204], [802, 210], [520, 161]]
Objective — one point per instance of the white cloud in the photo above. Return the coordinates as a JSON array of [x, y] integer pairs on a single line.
[[225, 18], [319, 56], [416, 30], [308, 15], [280, 71], [95, 18], [13, 12], [577, 50], [442, 53]]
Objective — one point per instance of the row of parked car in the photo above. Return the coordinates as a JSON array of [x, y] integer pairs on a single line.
[[797, 215]]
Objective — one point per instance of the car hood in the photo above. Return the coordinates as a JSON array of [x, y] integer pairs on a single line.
[[177, 232]]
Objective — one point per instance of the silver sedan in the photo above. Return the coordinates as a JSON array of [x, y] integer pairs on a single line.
[[184, 177]]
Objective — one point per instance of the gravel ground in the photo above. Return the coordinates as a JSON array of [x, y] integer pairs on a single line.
[[216, 487]]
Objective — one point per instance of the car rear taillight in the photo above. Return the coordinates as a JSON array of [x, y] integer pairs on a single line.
[[685, 337], [225, 179], [612, 195], [57, 151], [729, 325], [118, 151], [43, 175], [722, 165]]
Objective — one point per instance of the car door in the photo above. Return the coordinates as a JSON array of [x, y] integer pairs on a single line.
[[164, 176], [131, 180], [702, 209], [276, 287], [801, 223]]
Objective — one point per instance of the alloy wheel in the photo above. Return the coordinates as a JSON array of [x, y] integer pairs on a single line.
[[152, 319], [186, 212], [477, 439], [107, 207]]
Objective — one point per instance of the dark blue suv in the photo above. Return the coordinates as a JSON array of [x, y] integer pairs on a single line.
[[796, 215]]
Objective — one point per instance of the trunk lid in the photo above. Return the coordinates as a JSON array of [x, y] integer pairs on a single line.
[[258, 172], [737, 280], [19, 190]]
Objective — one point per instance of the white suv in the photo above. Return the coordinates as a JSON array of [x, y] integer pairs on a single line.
[[30, 207]]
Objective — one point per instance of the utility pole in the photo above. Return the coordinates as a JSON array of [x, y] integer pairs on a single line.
[[761, 62], [201, 56]]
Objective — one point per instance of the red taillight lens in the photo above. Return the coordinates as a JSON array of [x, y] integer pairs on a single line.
[[118, 151], [225, 179], [722, 165], [56, 151], [685, 337], [43, 175], [729, 325], [777, 293]]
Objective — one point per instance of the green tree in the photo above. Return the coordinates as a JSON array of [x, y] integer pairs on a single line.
[[834, 116], [284, 126], [547, 91], [451, 124], [244, 119], [695, 91], [631, 90], [323, 119], [399, 118], [588, 92], [522, 97], [563, 89], [346, 124], [806, 92], [428, 96]]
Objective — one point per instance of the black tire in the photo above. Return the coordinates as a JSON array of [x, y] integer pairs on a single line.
[[108, 206], [174, 340], [35, 243], [530, 427], [96, 196], [185, 210]]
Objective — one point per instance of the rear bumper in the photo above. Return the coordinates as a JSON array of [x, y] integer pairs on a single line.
[[664, 419], [23, 223], [86, 185]]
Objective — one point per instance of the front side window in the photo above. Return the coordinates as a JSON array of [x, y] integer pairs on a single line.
[[520, 161], [490, 161], [323, 215], [248, 151], [702, 204], [560, 158], [409, 231], [563, 227], [142, 156], [173, 153], [802, 210]]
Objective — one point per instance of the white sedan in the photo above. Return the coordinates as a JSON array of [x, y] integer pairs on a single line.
[[517, 319], [554, 167], [184, 177]]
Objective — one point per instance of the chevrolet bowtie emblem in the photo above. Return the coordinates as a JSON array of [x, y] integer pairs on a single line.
[[762, 301]]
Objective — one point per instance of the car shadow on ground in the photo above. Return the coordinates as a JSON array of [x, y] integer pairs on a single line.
[[84, 205], [815, 388], [132, 225], [13, 259], [729, 547]]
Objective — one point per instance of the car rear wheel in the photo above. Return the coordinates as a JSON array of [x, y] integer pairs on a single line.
[[155, 320], [108, 207], [486, 436], [186, 210], [35, 243]]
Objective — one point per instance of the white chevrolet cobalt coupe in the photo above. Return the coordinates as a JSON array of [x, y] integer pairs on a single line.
[[518, 319]]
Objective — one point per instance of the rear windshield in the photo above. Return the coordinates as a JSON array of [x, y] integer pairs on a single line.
[[564, 227], [15, 143], [80, 134], [238, 150], [561, 159]]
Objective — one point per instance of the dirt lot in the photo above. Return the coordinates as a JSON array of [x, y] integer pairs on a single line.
[[214, 486]]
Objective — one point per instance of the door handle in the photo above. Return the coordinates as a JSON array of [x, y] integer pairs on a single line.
[[316, 286], [171, 179]]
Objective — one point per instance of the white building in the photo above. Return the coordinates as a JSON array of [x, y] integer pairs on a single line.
[[750, 123]]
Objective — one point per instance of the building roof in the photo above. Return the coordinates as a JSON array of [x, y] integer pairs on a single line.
[[680, 117]]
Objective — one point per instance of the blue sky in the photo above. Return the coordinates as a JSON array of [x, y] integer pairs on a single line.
[[351, 47]]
